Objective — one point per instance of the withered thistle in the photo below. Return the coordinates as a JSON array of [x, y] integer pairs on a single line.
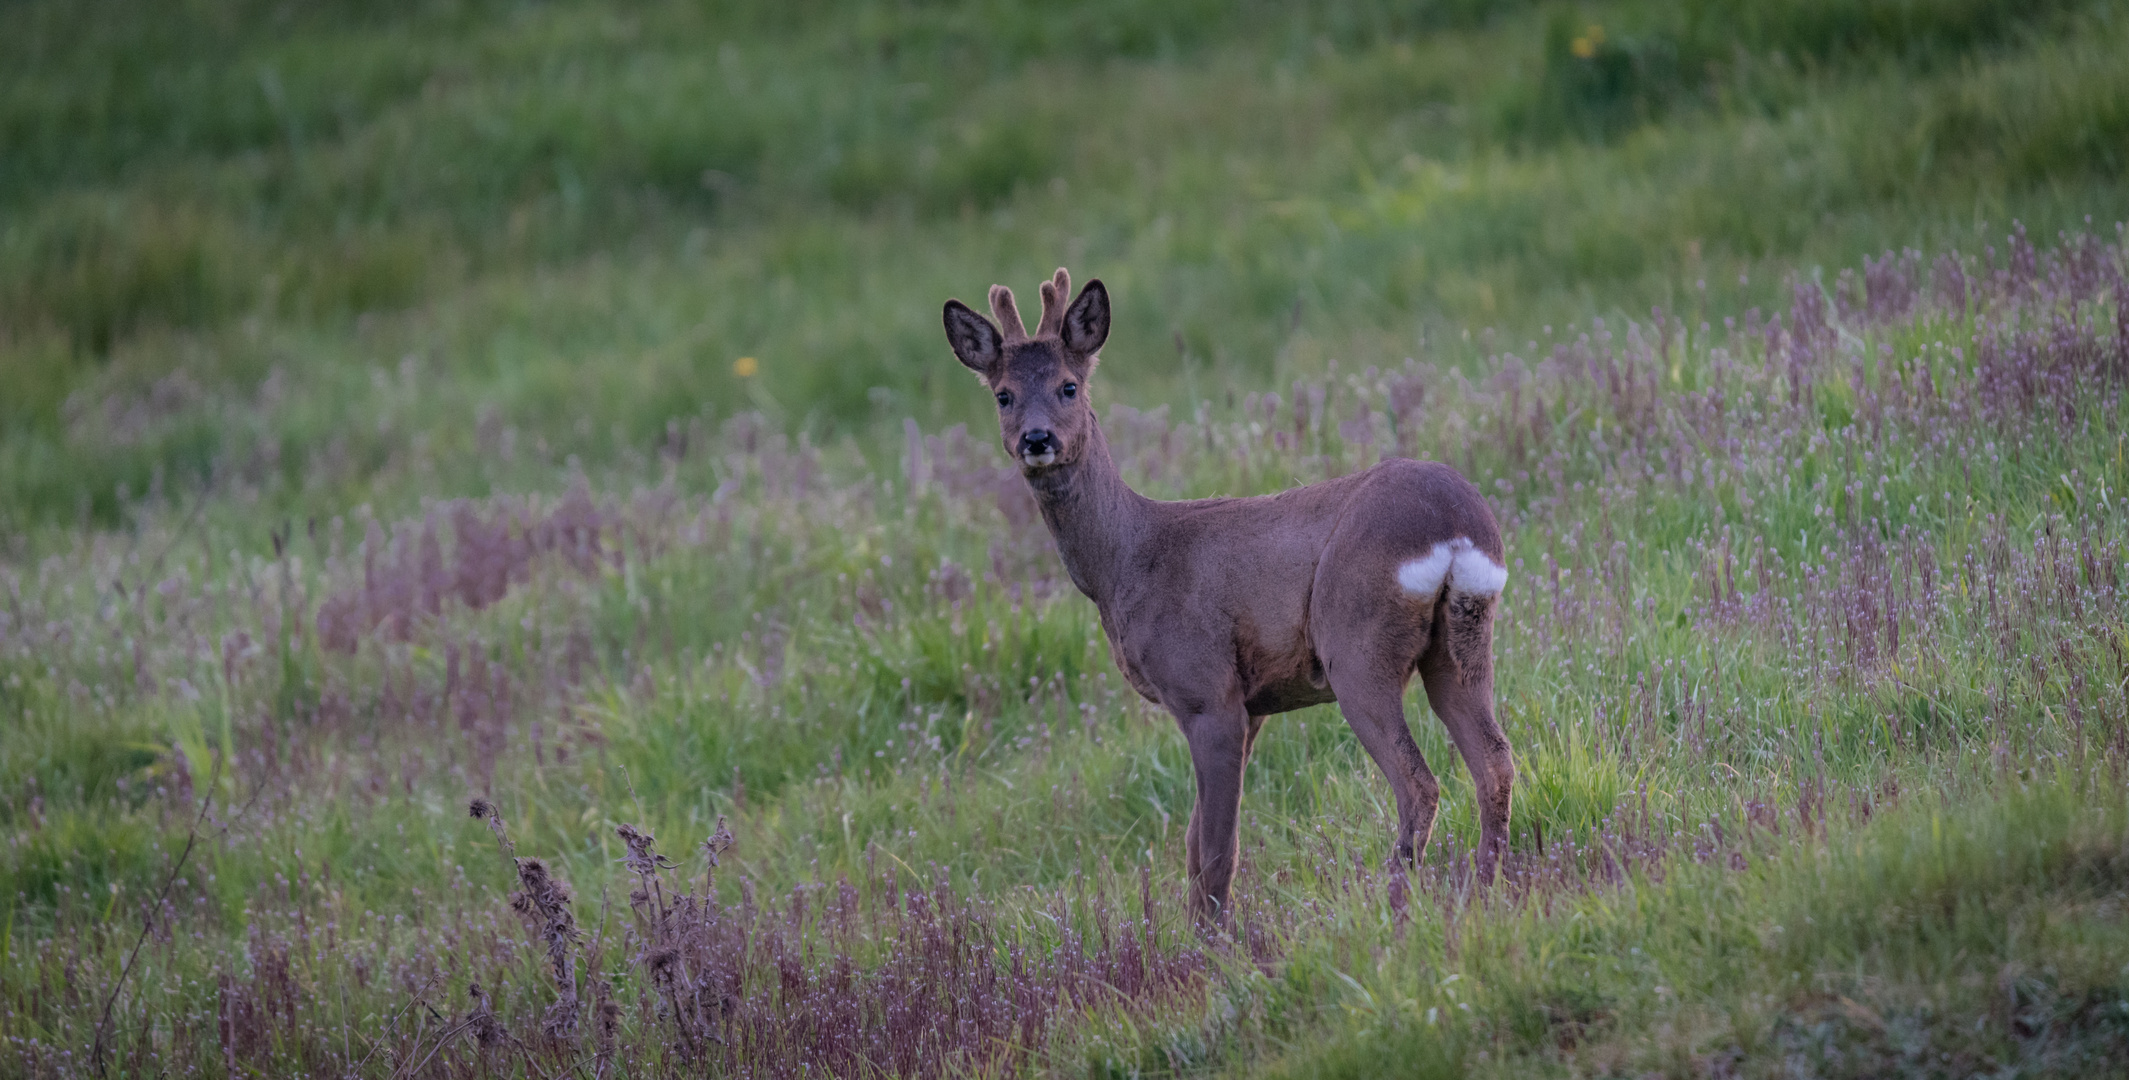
[[544, 902], [487, 1032], [483, 810], [606, 1026], [719, 842], [644, 861]]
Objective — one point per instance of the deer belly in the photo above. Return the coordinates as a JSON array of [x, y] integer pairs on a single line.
[[1278, 672], [1287, 695]]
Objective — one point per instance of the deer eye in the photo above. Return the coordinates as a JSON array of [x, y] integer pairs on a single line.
[[1071, 390], [1005, 399]]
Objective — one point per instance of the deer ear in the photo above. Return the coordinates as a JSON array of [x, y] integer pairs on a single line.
[[1086, 322], [975, 340]]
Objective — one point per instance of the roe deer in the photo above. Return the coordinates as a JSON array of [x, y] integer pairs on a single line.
[[1223, 611]]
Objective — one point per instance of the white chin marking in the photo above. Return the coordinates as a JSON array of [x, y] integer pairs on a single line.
[[1040, 460], [1468, 571]]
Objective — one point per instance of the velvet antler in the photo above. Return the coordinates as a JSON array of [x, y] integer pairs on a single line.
[[1056, 293], [1008, 315]]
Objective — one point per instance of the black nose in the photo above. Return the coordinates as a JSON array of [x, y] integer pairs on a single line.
[[1037, 442]]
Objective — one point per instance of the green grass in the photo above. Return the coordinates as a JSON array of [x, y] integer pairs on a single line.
[[578, 218], [274, 279], [1847, 961]]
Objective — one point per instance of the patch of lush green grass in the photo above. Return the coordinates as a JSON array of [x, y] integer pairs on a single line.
[[1850, 960], [578, 218]]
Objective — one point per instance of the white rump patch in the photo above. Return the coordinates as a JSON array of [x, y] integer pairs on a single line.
[[1475, 573], [1423, 576], [1469, 571]]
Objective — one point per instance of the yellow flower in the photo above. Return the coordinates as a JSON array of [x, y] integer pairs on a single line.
[[746, 367], [1583, 48]]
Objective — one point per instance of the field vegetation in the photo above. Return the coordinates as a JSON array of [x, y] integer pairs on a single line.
[[540, 410]]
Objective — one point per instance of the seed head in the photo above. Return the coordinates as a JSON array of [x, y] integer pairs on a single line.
[[642, 859], [480, 1020], [483, 810]]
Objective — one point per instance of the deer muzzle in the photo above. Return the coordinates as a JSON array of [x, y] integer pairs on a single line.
[[1038, 448]]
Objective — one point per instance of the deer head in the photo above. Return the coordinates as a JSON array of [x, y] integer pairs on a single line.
[[1040, 381]]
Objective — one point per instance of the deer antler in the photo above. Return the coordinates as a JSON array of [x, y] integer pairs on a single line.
[[1008, 315], [1056, 293]]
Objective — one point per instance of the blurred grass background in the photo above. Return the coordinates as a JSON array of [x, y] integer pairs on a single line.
[[572, 218]]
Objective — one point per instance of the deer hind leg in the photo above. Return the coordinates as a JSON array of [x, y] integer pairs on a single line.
[[1458, 673], [1372, 698], [1249, 739], [1219, 747]]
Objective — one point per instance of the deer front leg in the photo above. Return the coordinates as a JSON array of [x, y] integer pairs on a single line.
[[1219, 744]]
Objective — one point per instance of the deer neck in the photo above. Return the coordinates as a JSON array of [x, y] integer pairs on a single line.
[[1093, 515]]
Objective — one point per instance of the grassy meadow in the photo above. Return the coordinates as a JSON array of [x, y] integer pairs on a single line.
[[541, 409]]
